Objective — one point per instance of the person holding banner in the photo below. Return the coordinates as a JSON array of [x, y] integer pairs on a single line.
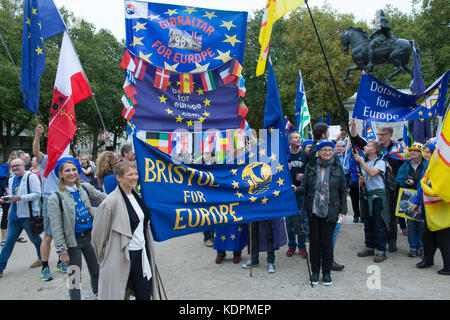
[[409, 176], [431, 239], [325, 192], [374, 205], [123, 243]]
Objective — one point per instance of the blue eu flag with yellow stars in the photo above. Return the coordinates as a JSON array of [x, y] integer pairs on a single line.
[[184, 39], [189, 198], [41, 20]]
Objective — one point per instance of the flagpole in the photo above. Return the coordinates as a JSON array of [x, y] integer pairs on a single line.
[[331, 74]]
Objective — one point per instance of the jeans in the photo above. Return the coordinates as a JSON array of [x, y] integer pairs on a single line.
[[84, 248], [15, 227], [375, 230], [415, 235], [290, 226], [336, 232]]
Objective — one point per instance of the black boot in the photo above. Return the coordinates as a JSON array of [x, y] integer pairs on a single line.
[[336, 266], [424, 264]]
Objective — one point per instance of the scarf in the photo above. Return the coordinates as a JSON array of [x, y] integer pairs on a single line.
[[322, 188]]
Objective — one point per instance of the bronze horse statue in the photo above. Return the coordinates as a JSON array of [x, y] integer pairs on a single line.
[[396, 52]]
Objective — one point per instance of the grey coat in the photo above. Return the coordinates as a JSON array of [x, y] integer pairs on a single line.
[[63, 226], [110, 237]]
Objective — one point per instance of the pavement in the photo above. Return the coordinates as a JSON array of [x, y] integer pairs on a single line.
[[188, 272]]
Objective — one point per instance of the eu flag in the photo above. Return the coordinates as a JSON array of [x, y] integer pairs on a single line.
[[41, 20]]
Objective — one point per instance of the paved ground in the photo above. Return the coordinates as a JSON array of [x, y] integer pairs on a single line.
[[188, 271]]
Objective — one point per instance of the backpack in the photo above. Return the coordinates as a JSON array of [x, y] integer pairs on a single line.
[[388, 178]]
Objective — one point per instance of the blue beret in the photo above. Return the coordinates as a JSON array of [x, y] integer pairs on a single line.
[[307, 142], [432, 147], [67, 159], [324, 143]]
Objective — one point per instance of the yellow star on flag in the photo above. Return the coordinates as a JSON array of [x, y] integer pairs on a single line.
[[276, 193], [420, 113], [262, 152], [39, 50], [169, 111], [223, 238], [210, 15], [200, 91], [233, 237], [40, 25], [189, 123], [140, 26], [146, 57], [280, 182], [280, 167], [239, 229], [162, 99], [28, 21], [207, 103], [190, 10], [235, 184], [430, 114], [232, 40], [200, 68], [153, 17], [239, 194], [234, 171], [34, 11], [264, 200], [253, 199], [179, 119], [224, 56], [137, 41], [227, 24], [171, 67], [273, 157], [170, 12], [206, 114], [201, 119]]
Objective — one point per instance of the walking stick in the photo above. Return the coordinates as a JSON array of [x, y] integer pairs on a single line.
[[250, 247], [160, 280], [302, 235]]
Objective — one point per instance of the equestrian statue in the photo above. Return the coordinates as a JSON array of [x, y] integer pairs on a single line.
[[381, 47]]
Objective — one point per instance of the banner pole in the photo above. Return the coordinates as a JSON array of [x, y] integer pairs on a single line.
[[251, 249]]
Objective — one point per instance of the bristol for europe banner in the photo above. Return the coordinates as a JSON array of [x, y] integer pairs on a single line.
[[185, 199], [377, 101], [184, 39]]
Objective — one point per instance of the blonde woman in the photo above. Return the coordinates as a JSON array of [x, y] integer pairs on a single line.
[[105, 171], [71, 219]]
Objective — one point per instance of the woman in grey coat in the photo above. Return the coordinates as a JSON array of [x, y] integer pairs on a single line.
[[71, 219]]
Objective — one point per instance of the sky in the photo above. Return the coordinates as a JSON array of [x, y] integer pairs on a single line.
[[109, 14]]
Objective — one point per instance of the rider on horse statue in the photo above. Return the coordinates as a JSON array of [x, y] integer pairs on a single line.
[[381, 37]]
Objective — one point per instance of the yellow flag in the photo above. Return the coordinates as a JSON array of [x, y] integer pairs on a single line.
[[435, 182], [274, 10]]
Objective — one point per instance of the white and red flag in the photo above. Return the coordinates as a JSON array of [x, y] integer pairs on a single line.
[[161, 78], [71, 87]]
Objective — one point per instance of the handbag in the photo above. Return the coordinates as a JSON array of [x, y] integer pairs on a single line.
[[36, 223]]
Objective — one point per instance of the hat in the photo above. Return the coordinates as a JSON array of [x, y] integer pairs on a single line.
[[432, 147], [324, 143], [307, 142], [417, 147], [67, 159]]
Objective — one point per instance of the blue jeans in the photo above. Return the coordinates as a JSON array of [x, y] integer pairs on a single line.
[[15, 227], [415, 235], [336, 232], [290, 226], [375, 230]]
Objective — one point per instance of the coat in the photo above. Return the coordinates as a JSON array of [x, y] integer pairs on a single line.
[[337, 193], [63, 226], [110, 237]]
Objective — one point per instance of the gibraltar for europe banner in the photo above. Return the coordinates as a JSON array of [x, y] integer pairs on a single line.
[[184, 39], [377, 101], [171, 109], [185, 199]]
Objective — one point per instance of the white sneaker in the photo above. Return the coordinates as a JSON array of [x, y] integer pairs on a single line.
[[247, 265], [271, 268]]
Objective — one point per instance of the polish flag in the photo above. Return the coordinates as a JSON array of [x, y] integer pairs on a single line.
[[71, 87]]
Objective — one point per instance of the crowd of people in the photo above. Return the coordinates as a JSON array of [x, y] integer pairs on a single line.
[[93, 210]]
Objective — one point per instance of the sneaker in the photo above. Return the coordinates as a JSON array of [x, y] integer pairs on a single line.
[[365, 253], [336, 266], [247, 265], [326, 280], [271, 268], [290, 252], [314, 278], [92, 297], [61, 267], [37, 263], [236, 258], [219, 259], [46, 275], [379, 258], [355, 220], [412, 254], [302, 253]]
